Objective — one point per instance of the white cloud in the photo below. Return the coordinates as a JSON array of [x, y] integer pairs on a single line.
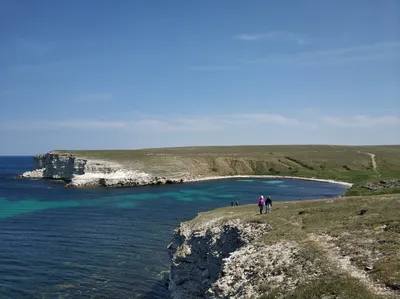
[[60, 125], [386, 50], [195, 124], [361, 121], [177, 123], [376, 51], [90, 124], [28, 137], [267, 118], [244, 122], [210, 123], [281, 36]]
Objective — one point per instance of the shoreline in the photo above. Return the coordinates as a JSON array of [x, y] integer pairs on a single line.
[[97, 172], [184, 180], [269, 177]]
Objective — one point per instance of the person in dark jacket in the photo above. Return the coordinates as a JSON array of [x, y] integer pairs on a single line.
[[268, 204]]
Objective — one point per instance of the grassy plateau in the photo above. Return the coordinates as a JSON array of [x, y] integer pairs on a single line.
[[351, 255], [354, 164]]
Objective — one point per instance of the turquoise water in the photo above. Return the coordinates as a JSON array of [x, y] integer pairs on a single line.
[[58, 242], [273, 182]]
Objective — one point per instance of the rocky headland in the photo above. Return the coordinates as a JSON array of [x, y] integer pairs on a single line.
[[153, 169], [371, 169], [314, 249], [83, 172]]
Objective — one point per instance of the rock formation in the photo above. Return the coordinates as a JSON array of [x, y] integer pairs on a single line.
[[223, 259], [382, 185], [144, 169], [79, 172]]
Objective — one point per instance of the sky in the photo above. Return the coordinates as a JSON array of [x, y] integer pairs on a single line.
[[131, 74]]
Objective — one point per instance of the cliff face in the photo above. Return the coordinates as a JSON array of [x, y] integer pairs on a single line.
[[197, 257], [80, 172], [225, 260], [59, 166], [66, 167]]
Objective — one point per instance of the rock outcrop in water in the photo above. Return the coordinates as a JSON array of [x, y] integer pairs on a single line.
[[57, 166], [79, 172]]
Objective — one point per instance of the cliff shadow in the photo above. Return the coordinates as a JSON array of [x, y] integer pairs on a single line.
[[159, 290], [194, 271]]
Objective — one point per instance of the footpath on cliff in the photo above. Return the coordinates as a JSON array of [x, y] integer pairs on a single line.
[[337, 248]]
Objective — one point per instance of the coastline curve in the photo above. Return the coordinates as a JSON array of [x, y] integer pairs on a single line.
[[84, 172], [270, 177]]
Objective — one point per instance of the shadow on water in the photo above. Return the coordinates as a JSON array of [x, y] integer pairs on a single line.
[[158, 290]]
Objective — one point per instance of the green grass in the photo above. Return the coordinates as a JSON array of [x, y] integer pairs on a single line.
[[372, 240], [346, 163], [327, 287]]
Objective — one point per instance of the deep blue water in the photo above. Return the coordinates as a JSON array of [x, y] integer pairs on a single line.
[[58, 242]]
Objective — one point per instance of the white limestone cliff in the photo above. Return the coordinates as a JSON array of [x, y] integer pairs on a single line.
[[79, 172], [224, 259]]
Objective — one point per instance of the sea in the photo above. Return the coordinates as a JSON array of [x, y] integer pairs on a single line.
[[92, 243]]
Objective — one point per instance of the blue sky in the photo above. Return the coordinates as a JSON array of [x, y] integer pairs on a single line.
[[136, 74]]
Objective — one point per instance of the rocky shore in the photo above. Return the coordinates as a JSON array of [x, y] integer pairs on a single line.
[[382, 185], [224, 259], [201, 254], [80, 172]]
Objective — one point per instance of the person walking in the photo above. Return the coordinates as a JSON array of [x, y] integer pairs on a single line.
[[261, 203], [268, 204]]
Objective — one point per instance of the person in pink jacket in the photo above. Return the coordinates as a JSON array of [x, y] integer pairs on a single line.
[[261, 203]]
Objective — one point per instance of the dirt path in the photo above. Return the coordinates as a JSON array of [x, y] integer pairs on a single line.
[[343, 264], [373, 160]]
